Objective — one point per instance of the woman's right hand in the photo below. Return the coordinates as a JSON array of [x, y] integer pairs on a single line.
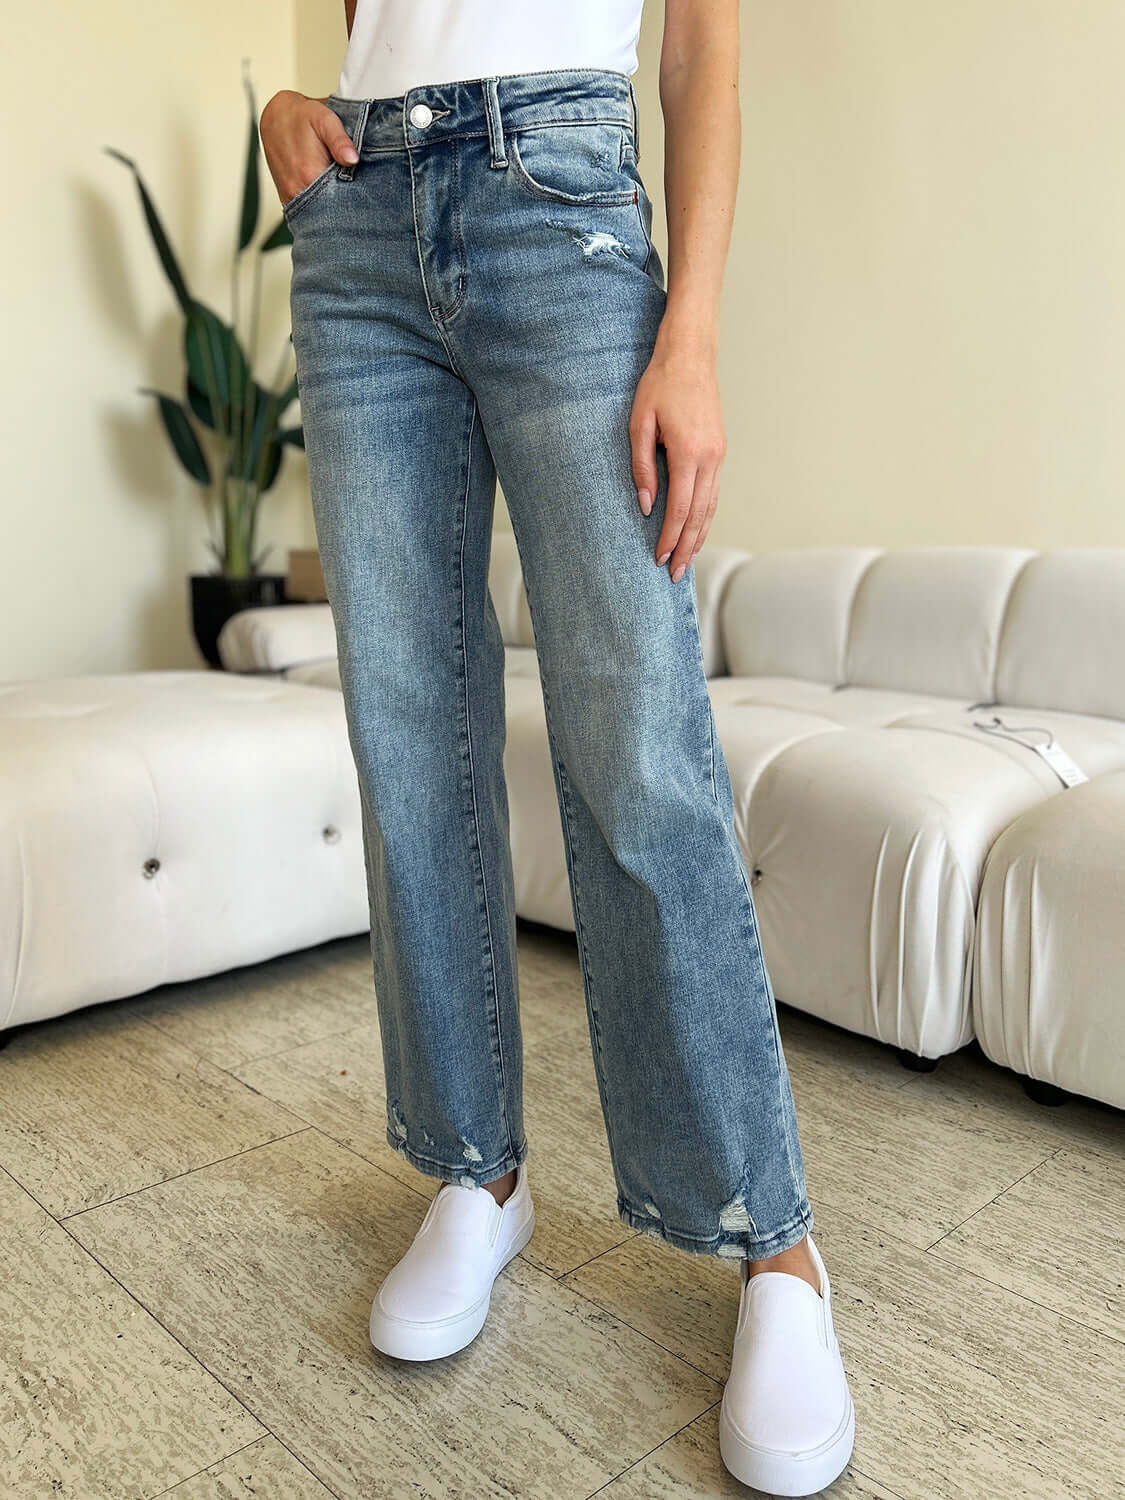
[[301, 138]]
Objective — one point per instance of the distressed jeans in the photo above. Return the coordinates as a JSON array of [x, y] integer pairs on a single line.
[[476, 297]]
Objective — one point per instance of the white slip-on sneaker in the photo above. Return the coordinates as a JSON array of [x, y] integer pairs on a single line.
[[435, 1299], [787, 1423]]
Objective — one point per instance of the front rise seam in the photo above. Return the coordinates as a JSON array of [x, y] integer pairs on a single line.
[[433, 311]]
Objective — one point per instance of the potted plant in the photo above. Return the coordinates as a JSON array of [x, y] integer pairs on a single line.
[[243, 419]]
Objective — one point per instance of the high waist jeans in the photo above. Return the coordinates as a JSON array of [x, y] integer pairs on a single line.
[[479, 295]]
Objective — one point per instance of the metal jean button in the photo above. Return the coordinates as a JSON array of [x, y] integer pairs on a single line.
[[421, 115]]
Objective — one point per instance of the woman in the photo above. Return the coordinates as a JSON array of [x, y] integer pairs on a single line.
[[475, 294]]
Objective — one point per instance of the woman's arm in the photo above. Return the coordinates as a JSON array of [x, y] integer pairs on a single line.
[[677, 400], [301, 136]]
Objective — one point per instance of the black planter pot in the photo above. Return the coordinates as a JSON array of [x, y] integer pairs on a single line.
[[214, 598]]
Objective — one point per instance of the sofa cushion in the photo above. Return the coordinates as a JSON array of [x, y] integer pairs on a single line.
[[1062, 642], [785, 613], [713, 570], [839, 704], [273, 638], [866, 846], [158, 826], [928, 619], [1049, 950], [509, 596], [322, 674], [1096, 744]]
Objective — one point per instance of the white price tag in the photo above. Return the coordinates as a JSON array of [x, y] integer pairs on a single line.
[[1066, 769]]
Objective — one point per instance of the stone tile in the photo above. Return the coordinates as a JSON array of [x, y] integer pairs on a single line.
[[968, 1078], [1055, 1237], [808, 1039], [262, 1471], [257, 1011], [264, 1265], [97, 1104], [552, 1000], [569, 1165], [688, 1467], [337, 1085], [962, 1388], [686, 1303], [911, 1162], [97, 1400]]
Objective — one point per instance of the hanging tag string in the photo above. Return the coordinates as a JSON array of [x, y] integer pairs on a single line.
[[1013, 732], [1069, 772]]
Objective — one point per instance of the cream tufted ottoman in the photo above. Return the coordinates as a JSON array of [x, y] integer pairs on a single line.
[[1050, 944], [159, 826]]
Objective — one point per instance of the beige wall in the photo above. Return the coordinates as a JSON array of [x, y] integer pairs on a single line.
[[924, 322], [925, 307], [101, 526]]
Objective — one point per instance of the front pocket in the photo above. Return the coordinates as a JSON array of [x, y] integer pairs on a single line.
[[579, 164], [298, 200]]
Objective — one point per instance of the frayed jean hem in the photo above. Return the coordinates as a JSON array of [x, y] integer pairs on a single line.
[[466, 1174], [730, 1244]]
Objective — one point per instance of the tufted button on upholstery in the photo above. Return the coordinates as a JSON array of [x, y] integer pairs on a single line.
[[150, 868], [421, 115], [331, 835]]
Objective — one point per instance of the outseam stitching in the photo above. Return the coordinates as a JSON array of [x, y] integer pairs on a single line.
[[473, 781]]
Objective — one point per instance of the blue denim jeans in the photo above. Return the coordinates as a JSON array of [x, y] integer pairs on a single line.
[[479, 296]]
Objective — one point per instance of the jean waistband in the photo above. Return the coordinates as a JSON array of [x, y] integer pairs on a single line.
[[488, 106]]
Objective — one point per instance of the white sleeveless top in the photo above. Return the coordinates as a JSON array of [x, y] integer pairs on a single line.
[[398, 45]]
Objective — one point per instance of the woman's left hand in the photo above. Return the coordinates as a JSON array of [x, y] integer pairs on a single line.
[[677, 403]]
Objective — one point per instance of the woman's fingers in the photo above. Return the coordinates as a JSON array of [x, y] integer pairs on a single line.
[[693, 493], [682, 415], [328, 125], [710, 506], [642, 437], [302, 137], [677, 508], [690, 535]]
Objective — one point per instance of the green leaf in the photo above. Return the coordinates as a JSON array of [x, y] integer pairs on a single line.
[[212, 351], [156, 230], [264, 447], [200, 403], [272, 466], [182, 436], [280, 236], [288, 396], [251, 194]]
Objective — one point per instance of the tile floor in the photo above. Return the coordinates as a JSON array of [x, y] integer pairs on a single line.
[[198, 1203]]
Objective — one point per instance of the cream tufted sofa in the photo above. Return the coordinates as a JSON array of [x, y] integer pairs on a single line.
[[159, 826], [917, 878]]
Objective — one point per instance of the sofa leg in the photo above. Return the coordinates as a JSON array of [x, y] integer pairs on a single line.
[[915, 1063], [1044, 1093]]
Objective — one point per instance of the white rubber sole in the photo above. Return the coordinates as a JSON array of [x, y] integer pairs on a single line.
[[788, 1473], [406, 1339]]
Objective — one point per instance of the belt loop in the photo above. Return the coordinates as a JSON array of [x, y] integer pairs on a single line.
[[495, 124], [636, 121], [347, 169]]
